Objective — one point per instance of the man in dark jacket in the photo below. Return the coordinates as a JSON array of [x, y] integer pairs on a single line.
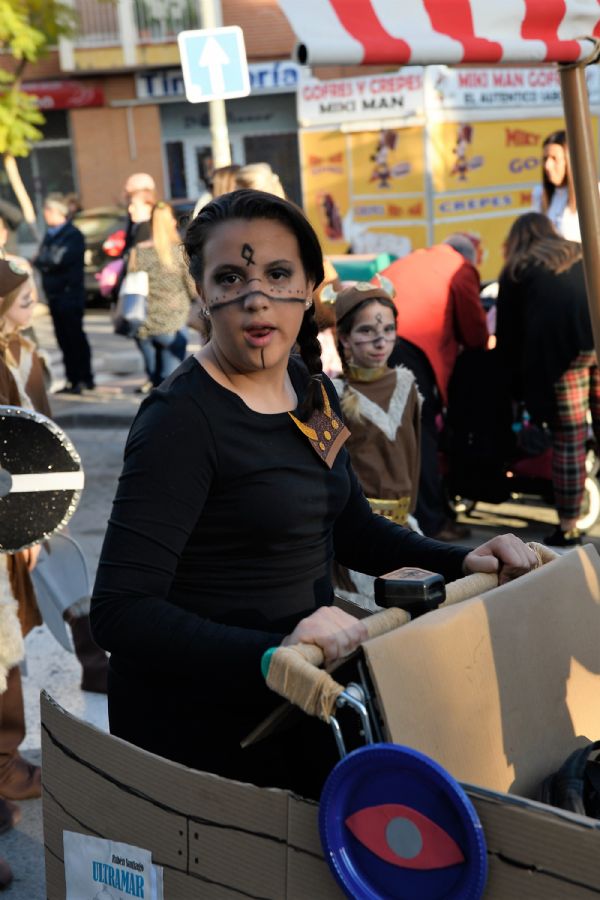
[[60, 262]]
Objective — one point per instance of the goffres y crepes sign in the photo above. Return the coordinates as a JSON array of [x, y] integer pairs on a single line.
[[418, 32]]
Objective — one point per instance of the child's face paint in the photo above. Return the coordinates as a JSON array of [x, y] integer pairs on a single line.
[[255, 287], [20, 313], [372, 338]]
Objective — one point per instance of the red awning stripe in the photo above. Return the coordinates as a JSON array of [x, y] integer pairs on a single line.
[[422, 32]]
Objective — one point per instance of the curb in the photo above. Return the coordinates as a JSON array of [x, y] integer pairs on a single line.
[[93, 420]]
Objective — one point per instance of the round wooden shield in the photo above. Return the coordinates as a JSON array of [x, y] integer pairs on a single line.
[[41, 478]]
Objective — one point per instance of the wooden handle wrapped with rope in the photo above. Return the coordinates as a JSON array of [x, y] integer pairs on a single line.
[[294, 673]]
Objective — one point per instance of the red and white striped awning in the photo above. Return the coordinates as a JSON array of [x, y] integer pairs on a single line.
[[422, 32]]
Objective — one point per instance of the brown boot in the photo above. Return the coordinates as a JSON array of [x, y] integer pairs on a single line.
[[6, 876], [94, 661], [10, 815], [20, 780]]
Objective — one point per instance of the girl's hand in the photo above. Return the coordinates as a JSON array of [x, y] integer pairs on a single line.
[[30, 555], [505, 554], [336, 632]]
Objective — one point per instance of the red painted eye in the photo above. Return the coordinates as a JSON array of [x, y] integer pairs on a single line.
[[404, 837]]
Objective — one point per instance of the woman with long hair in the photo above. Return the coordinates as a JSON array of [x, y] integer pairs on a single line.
[[557, 197], [162, 339], [236, 495], [545, 342]]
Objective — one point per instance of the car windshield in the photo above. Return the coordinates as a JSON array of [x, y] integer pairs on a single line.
[[99, 225]]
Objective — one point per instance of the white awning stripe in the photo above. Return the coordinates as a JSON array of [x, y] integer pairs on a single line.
[[425, 32], [47, 481]]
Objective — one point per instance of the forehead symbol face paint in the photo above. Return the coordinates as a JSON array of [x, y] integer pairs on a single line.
[[379, 318], [248, 254]]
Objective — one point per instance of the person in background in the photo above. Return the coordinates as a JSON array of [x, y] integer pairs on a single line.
[[556, 198], [21, 384], [60, 263], [545, 343], [162, 338], [324, 300], [22, 367], [140, 189], [222, 182], [259, 177], [10, 219], [74, 204], [439, 314], [382, 408], [12, 651]]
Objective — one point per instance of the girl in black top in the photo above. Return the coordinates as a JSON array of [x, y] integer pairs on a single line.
[[235, 497], [545, 342]]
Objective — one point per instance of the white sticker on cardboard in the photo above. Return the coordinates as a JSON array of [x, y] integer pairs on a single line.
[[97, 869]]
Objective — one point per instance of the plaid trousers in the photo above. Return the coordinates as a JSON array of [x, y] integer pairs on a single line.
[[576, 392]]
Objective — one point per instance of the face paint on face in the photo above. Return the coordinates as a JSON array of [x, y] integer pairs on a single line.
[[256, 305], [247, 254], [217, 303], [372, 338]]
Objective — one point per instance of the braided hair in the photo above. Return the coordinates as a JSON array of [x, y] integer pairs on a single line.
[[249, 204]]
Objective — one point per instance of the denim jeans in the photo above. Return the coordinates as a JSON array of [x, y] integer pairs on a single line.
[[162, 354]]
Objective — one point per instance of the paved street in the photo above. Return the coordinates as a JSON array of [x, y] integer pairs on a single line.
[[98, 427]]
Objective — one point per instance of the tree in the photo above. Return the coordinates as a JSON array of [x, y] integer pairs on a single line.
[[28, 28]]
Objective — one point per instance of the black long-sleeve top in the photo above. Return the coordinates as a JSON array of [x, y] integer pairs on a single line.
[[60, 262], [543, 323], [221, 539]]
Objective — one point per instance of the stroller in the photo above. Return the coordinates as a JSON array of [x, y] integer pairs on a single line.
[[492, 453]]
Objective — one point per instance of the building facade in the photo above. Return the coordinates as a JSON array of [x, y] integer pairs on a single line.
[[114, 103]]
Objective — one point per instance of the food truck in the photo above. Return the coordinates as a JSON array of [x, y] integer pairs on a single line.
[[396, 161]]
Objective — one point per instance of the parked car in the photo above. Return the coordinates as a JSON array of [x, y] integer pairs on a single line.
[[104, 230]]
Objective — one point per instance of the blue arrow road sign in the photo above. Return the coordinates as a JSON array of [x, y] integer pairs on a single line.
[[214, 64]]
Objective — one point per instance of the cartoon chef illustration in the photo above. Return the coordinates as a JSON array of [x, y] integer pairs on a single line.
[[383, 171]]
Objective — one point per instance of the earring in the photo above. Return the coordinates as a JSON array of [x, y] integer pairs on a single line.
[[308, 303], [205, 312]]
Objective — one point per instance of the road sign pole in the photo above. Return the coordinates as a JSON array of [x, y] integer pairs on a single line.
[[211, 17]]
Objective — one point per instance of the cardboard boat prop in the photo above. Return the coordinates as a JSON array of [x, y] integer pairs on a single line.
[[497, 690]]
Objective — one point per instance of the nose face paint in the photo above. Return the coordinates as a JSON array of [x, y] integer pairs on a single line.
[[219, 302], [381, 336]]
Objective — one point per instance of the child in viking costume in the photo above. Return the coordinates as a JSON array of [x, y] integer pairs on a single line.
[[382, 409], [11, 653], [22, 384]]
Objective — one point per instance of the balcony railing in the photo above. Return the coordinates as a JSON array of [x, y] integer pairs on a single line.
[[98, 24], [162, 20], [155, 21]]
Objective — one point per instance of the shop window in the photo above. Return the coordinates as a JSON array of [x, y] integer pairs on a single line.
[[56, 126], [48, 168], [281, 152], [176, 169]]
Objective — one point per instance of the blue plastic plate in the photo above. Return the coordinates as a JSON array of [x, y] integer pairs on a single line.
[[394, 824]]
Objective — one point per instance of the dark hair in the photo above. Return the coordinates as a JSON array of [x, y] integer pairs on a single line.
[[557, 137], [345, 324], [249, 204], [533, 240]]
